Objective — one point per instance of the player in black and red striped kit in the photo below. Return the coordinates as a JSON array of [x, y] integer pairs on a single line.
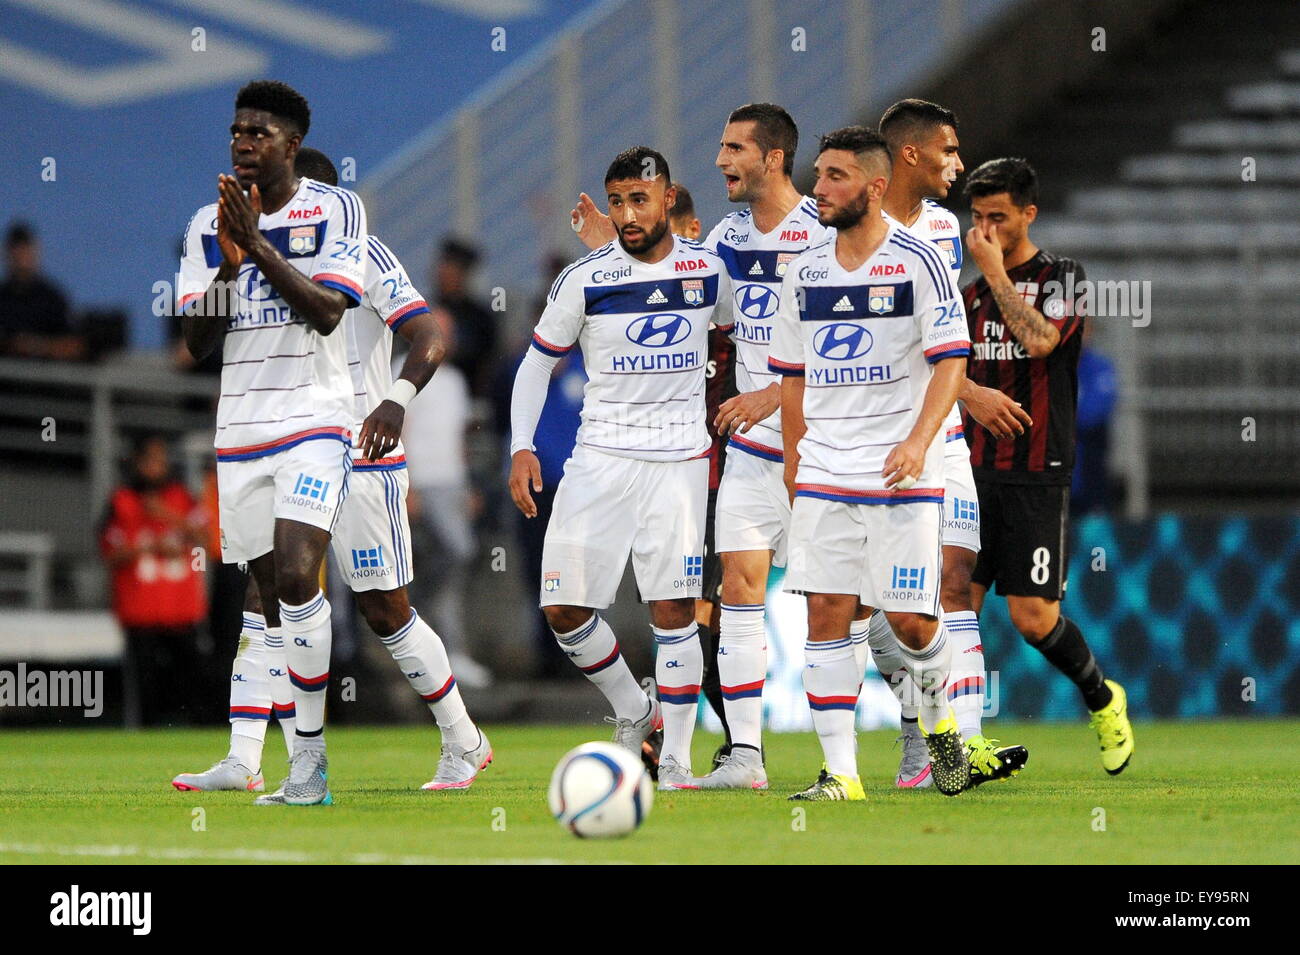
[[719, 385], [1026, 333]]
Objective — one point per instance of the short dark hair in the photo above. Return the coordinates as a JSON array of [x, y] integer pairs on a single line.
[[908, 119], [1013, 176], [634, 163], [859, 140], [279, 99], [20, 233], [314, 164], [459, 252], [773, 129], [684, 206]]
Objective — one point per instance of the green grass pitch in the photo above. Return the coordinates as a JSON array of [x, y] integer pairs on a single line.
[[1221, 792]]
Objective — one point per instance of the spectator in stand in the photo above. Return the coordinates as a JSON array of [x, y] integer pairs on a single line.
[[442, 503], [1098, 394], [476, 326], [34, 316], [148, 538]]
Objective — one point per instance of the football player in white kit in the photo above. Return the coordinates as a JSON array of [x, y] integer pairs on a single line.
[[871, 339], [371, 540], [922, 138], [269, 276], [756, 158], [640, 309]]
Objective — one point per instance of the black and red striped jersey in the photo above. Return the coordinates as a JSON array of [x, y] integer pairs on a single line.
[[1047, 388], [719, 385]]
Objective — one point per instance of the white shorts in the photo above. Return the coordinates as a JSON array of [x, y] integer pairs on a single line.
[[961, 505], [606, 507], [306, 482], [372, 538], [887, 554], [753, 509]]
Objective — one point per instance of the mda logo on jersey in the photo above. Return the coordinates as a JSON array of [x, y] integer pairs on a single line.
[[659, 331], [842, 341], [880, 298], [756, 301], [693, 291]]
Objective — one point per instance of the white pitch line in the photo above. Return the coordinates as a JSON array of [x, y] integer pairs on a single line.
[[259, 855]]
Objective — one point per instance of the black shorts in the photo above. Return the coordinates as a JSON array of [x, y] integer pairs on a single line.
[[712, 588], [1023, 538]]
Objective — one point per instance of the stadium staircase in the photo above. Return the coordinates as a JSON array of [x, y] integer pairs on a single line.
[[1204, 203]]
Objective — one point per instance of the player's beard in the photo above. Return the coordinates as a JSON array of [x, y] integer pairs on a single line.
[[649, 237], [848, 216]]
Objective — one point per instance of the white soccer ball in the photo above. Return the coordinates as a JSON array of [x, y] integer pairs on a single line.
[[600, 790]]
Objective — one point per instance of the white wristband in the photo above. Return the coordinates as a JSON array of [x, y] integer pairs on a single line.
[[402, 392]]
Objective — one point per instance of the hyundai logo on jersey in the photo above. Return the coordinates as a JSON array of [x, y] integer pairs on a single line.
[[842, 342], [256, 288], [756, 301], [659, 331]]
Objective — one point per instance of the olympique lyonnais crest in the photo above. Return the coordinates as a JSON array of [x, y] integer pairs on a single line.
[[550, 582], [302, 239], [880, 299], [782, 260], [693, 291]]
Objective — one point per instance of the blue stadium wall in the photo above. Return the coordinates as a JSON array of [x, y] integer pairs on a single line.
[[1186, 610], [1194, 615]]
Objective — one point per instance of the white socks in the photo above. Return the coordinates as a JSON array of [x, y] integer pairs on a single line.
[[966, 684], [420, 653], [742, 669], [930, 667], [277, 668], [888, 654], [307, 643], [595, 652], [679, 668], [831, 679]]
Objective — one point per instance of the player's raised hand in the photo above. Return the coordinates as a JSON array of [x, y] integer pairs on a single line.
[[742, 412], [242, 212], [996, 411], [381, 430], [904, 465], [985, 250], [525, 477], [594, 228], [230, 250]]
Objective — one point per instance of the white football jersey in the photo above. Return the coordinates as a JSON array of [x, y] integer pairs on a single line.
[[389, 301], [643, 330], [864, 342], [281, 381], [756, 262], [940, 226]]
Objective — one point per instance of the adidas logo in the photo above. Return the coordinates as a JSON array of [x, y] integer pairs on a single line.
[[657, 298], [843, 305], [756, 269]]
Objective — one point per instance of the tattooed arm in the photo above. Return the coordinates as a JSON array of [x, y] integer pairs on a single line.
[[1029, 326]]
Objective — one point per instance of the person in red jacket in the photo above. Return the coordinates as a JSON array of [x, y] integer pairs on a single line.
[[153, 540]]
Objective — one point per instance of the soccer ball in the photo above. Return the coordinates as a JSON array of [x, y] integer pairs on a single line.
[[600, 790]]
